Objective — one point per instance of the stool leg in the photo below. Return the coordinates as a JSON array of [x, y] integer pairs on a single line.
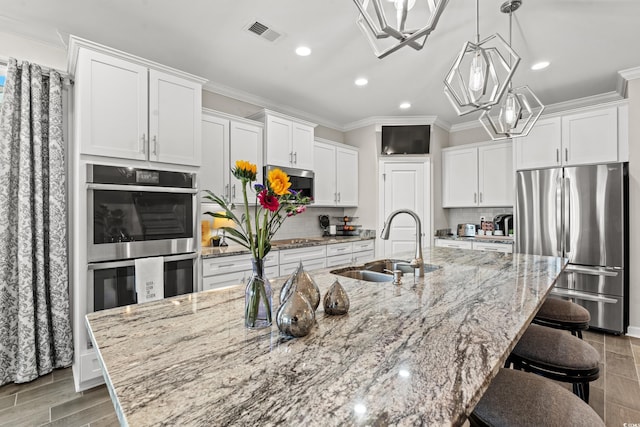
[[585, 391], [579, 334]]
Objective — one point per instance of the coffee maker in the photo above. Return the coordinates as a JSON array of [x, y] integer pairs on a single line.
[[502, 224]]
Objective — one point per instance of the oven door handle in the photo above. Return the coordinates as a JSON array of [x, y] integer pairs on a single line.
[[140, 188], [132, 262]]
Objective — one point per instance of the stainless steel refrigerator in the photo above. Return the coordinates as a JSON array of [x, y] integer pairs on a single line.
[[581, 213]]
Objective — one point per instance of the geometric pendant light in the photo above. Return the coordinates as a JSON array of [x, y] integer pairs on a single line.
[[519, 108], [480, 73], [391, 24]]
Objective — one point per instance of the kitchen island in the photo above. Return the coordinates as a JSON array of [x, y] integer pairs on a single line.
[[419, 353]]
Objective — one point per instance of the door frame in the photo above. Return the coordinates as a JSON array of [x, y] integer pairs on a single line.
[[427, 226]]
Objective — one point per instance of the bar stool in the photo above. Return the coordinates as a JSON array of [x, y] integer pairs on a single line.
[[557, 355], [516, 398], [563, 314]]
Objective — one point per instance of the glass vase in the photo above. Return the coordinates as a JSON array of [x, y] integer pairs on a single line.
[[257, 301]]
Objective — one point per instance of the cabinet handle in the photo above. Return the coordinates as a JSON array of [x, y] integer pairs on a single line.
[[295, 157], [557, 155], [233, 191], [481, 197], [335, 197], [475, 197], [338, 197], [144, 143], [291, 157], [566, 154], [227, 192], [225, 265], [341, 249], [155, 145]]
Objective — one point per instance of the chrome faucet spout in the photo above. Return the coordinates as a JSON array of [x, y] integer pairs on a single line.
[[418, 262]]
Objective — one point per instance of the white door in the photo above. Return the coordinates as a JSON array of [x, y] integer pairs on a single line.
[[541, 148], [324, 158], [245, 143], [111, 106], [496, 177], [405, 187], [590, 137], [279, 134], [347, 176], [214, 173], [460, 177], [175, 108], [302, 137]]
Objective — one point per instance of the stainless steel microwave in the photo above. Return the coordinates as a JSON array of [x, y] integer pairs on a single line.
[[301, 180]]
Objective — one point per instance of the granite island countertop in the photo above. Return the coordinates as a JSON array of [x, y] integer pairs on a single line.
[[419, 353], [487, 239]]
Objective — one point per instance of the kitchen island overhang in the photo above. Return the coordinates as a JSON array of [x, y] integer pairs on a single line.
[[419, 353]]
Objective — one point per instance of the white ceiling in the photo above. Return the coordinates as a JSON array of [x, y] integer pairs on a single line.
[[587, 42]]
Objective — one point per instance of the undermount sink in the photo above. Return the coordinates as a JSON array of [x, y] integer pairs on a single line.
[[374, 271]]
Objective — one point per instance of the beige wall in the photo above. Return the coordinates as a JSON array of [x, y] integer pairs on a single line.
[[468, 136], [365, 139], [634, 207]]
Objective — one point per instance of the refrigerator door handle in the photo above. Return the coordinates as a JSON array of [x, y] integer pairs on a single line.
[[594, 271], [567, 215], [558, 217], [583, 296]]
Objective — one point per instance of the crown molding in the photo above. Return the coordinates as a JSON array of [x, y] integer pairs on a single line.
[[624, 76], [378, 121], [259, 101]]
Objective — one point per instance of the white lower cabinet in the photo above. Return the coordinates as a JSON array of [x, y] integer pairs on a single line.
[[311, 264], [312, 258], [475, 245], [339, 260], [362, 257]]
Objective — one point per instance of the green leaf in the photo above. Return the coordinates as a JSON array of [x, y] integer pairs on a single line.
[[241, 243]]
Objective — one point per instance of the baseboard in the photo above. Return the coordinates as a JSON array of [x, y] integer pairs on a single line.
[[633, 331]]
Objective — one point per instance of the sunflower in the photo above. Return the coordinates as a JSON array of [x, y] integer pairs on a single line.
[[245, 170], [279, 182]]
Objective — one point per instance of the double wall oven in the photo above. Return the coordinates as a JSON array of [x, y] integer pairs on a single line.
[[137, 213]]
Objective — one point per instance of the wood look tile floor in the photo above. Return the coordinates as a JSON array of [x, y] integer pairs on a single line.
[[51, 400]]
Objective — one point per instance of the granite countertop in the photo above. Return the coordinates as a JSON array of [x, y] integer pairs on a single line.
[[419, 353], [488, 239], [235, 249]]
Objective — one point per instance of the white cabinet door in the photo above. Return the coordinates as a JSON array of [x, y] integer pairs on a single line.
[[111, 106], [309, 265], [347, 176], [279, 135], [324, 168], [339, 249], [590, 137], [224, 280], [302, 146], [362, 257], [444, 243], [175, 106], [460, 178], [541, 148], [214, 173], [495, 175], [245, 144], [493, 247], [296, 255]]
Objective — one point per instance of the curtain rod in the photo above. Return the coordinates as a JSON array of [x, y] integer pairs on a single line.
[[66, 78]]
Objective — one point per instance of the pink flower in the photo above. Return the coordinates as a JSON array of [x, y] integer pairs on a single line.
[[301, 209], [268, 201]]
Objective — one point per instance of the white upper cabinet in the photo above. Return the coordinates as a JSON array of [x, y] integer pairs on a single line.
[[127, 107], [288, 141], [336, 174], [478, 176], [586, 137], [226, 139]]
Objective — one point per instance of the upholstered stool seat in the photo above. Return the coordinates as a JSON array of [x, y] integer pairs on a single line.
[[563, 314], [555, 354], [516, 398]]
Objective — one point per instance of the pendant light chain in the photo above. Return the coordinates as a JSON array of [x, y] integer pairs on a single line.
[[477, 21]]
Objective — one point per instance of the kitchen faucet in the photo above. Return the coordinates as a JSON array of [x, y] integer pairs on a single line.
[[417, 263]]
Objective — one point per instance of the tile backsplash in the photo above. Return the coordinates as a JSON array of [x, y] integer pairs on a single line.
[[472, 215]]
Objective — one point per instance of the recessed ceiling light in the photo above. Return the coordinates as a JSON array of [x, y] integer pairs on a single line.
[[405, 105], [361, 81], [303, 51], [540, 65]]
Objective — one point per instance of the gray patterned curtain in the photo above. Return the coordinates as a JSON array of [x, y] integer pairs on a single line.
[[35, 328]]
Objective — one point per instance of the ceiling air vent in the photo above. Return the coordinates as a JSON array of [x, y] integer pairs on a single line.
[[263, 31]]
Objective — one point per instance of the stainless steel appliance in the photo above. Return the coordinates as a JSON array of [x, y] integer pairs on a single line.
[[502, 224], [581, 213], [135, 213], [301, 180], [466, 230]]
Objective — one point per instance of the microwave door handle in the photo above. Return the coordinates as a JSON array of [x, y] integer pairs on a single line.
[[181, 257], [140, 188], [132, 262]]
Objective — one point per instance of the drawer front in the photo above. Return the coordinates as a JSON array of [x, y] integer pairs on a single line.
[[367, 245], [272, 272], [225, 264], [309, 265], [362, 257], [223, 280], [303, 254], [493, 247], [89, 366], [271, 259], [339, 249], [443, 243], [338, 260]]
